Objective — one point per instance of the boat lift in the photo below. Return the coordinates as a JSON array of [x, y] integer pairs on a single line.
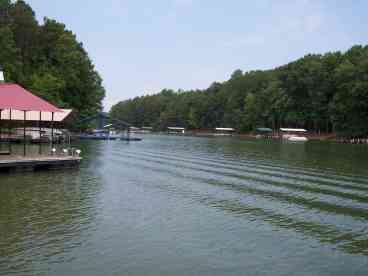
[[104, 121]]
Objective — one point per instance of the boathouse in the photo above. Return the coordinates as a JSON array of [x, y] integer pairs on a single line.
[[287, 132], [294, 134], [263, 132], [224, 131], [176, 130], [17, 103]]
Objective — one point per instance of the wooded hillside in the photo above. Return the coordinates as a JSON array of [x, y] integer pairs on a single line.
[[322, 93]]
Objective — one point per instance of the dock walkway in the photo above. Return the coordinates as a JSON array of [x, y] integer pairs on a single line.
[[30, 163]]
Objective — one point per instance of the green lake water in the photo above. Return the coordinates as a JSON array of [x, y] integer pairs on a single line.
[[172, 205]]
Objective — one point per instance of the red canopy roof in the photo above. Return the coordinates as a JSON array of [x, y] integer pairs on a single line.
[[13, 96]]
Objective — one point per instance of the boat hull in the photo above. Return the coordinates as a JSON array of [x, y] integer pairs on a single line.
[[93, 137], [130, 139]]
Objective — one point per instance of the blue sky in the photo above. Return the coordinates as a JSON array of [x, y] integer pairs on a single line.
[[140, 47]]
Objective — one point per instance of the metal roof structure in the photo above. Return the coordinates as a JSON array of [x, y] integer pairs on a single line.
[[102, 119], [15, 97]]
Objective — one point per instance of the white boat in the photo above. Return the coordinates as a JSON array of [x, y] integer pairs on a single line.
[[297, 139]]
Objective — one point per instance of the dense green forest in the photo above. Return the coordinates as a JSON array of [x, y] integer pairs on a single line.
[[48, 60], [322, 93]]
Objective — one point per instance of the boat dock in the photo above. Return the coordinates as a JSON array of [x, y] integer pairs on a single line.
[[29, 163]]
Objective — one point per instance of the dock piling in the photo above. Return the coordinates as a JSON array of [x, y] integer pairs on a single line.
[[24, 132]]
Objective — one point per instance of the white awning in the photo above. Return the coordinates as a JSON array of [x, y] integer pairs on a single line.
[[17, 115], [224, 129], [293, 129], [176, 128]]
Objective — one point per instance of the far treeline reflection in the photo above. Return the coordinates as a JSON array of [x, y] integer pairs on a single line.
[[322, 93]]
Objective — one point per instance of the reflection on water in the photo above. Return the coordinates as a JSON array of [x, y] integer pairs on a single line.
[[191, 206], [44, 214]]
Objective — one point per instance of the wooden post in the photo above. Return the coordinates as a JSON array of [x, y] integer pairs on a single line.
[[52, 130], [40, 133], [24, 133], [1, 134], [10, 117]]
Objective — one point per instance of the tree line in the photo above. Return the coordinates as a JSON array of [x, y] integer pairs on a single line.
[[48, 60], [323, 93]]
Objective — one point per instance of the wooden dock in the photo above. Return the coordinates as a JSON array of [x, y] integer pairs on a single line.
[[32, 163]]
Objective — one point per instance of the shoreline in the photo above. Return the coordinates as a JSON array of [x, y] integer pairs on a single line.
[[332, 137]]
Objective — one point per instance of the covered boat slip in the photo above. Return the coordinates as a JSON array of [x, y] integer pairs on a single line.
[[19, 107], [294, 134], [264, 132], [38, 125], [14, 98], [224, 131], [176, 130]]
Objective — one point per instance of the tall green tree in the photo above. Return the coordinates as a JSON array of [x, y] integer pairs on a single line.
[[350, 103], [10, 57], [49, 60]]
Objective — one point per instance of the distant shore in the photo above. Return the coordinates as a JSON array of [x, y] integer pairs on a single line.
[[330, 137], [315, 137]]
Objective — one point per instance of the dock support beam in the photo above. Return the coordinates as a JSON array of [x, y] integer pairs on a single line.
[[1, 132], [40, 132], [24, 132], [52, 130], [9, 138]]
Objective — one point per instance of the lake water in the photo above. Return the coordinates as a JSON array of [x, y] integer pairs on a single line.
[[173, 205]]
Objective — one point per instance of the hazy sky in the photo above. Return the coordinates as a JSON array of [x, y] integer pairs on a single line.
[[140, 47]]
